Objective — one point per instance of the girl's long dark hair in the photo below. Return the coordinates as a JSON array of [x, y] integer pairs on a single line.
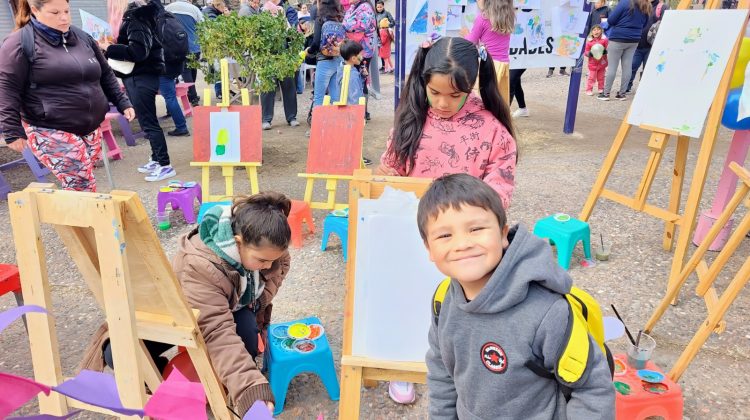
[[330, 10], [458, 58]]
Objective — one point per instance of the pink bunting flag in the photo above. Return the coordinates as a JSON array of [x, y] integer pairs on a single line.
[[177, 398], [16, 391], [259, 411]]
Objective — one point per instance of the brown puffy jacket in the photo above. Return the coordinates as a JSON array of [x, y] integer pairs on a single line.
[[212, 286]]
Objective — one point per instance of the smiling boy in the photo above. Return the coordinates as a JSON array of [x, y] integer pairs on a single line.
[[505, 307]]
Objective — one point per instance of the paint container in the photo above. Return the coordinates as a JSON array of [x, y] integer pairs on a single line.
[[602, 252], [620, 367], [639, 355], [304, 346], [658, 388], [288, 344], [316, 331], [280, 331], [162, 220], [298, 331], [650, 376], [622, 388], [561, 217]]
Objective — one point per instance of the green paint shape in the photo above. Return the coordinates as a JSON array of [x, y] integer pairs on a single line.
[[222, 137], [622, 388], [220, 150]]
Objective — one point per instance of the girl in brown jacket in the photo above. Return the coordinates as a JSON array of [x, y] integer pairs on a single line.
[[230, 268]]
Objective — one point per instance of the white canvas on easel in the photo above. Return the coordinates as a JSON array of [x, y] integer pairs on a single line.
[[684, 69], [395, 283]]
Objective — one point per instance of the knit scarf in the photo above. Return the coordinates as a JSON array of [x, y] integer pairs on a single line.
[[216, 232], [51, 33]]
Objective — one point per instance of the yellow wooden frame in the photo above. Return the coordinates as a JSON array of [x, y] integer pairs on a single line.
[[358, 370], [717, 306], [112, 242], [657, 144], [227, 168], [331, 181]]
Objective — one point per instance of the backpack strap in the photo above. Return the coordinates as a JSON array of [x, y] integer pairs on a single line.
[[438, 297], [27, 46], [571, 365]]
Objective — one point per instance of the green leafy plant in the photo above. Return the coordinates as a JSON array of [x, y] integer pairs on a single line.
[[265, 47]]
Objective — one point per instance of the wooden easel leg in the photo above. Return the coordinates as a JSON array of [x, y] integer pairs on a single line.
[[657, 143], [206, 182], [32, 265], [228, 173], [309, 190], [252, 176], [331, 187], [215, 394], [714, 317], [607, 165], [351, 384], [735, 240], [148, 369], [118, 303], [370, 383], [678, 177]]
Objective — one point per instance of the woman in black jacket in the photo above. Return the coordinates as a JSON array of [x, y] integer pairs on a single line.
[[62, 95], [137, 43]]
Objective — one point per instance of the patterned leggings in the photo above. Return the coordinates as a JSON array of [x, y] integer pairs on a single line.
[[70, 157]]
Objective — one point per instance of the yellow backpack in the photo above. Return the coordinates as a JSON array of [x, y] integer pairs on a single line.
[[585, 319]]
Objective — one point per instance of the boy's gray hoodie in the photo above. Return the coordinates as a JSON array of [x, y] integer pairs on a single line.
[[478, 349]]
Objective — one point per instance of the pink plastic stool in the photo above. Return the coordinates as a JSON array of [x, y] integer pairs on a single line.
[[300, 212], [109, 137], [181, 199], [181, 89]]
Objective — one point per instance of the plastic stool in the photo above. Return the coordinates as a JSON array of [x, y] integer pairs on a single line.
[[639, 403], [338, 225], [181, 91], [181, 199], [10, 281], [565, 235], [109, 137], [283, 365], [205, 206], [300, 212]]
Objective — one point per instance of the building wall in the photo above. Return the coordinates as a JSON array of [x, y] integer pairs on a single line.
[[95, 7]]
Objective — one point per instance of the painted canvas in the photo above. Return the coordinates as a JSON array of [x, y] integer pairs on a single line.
[[527, 4], [568, 45], [692, 48], [568, 20], [418, 21], [535, 28], [454, 18], [470, 15], [437, 11], [516, 38], [457, 2], [225, 136], [97, 28]]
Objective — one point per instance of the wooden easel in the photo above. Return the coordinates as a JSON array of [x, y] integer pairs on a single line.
[[355, 370], [335, 148], [111, 240], [717, 306], [227, 168], [657, 144]]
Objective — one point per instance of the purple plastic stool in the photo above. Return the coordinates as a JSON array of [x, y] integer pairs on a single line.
[[29, 159], [181, 199], [127, 133]]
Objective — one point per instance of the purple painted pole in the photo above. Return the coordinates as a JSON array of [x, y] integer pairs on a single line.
[[575, 85], [400, 48]]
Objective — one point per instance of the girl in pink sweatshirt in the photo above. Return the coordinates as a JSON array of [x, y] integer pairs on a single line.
[[597, 66], [442, 128]]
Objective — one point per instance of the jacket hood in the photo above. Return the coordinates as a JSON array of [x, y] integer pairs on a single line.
[[145, 11], [191, 244], [528, 260]]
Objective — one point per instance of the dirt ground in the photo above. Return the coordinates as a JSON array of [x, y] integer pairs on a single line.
[[555, 174]]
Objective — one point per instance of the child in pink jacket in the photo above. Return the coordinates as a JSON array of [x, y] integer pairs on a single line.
[[597, 66]]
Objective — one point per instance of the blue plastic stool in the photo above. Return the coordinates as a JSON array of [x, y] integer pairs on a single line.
[[565, 235], [205, 206], [283, 365], [338, 225]]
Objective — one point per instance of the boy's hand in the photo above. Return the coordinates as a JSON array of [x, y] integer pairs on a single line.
[[270, 406]]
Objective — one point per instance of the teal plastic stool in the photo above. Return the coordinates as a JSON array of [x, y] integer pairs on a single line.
[[564, 234], [283, 365], [205, 206], [338, 225]]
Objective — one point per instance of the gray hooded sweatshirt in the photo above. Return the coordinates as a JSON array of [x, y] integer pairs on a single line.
[[475, 364]]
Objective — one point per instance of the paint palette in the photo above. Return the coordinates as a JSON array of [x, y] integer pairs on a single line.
[[620, 367], [658, 388], [288, 344], [304, 346], [316, 331], [561, 217], [280, 331], [650, 376], [623, 388], [298, 331]]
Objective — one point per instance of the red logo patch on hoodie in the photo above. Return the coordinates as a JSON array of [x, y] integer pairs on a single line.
[[494, 358]]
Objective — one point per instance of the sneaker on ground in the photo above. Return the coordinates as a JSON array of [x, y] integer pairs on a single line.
[[179, 133], [367, 116], [621, 97], [266, 126], [563, 72], [590, 93], [602, 97], [402, 392], [366, 161], [294, 123], [161, 173], [149, 167], [550, 73], [521, 112]]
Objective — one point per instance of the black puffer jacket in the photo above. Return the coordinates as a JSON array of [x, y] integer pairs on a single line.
[[137, 40], [74, 85]]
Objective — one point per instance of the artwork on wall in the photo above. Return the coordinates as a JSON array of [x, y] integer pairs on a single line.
[[97, 28], [567, 20], [692, 48], [418, 21], [527, 4], [437, 16], [454, 18], [568, 46]]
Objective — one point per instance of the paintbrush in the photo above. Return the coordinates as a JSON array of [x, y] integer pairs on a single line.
[[601, 238], [630, 336], [638, 339]]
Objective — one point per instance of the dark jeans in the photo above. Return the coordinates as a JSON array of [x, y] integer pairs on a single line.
[[247, 329], [142, 89], [639, 58], [516, 90], [288, 94], [188, 76]]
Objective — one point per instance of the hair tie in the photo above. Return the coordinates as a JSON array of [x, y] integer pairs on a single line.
[[427, 43], [482, 53]]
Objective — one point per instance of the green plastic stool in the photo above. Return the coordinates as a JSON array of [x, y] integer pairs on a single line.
[[564, 232]]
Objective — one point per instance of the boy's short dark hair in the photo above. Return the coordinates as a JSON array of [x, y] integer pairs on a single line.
[[349, 49], [454, 191], [381, 2]]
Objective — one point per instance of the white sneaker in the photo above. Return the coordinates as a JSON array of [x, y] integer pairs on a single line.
[[266, 126], [402, 392], [161, 173], [521, 112], [149, 167], [294, 123]]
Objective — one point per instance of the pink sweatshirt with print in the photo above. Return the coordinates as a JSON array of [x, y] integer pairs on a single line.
[[473, 141]]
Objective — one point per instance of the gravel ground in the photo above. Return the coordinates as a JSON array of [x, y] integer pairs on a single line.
[[555, 174]]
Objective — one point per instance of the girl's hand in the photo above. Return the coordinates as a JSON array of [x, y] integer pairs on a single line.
[[385, 170], [104, 44], [270, 406], [18, 145], [129, 114]]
